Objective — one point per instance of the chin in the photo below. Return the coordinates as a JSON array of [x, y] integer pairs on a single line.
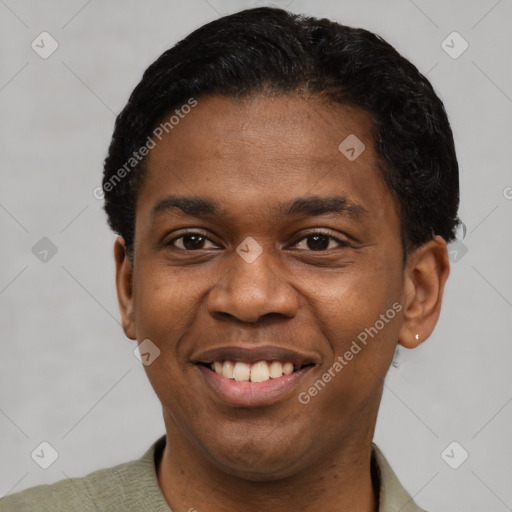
[[254, 469], [258, 460]]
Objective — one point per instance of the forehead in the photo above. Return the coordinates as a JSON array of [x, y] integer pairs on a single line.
[[292, 126], [263, 150]]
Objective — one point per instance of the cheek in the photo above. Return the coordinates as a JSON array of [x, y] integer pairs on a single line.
[[360, 314], [166, 307], [165, 304], [349, 301], [361, 343]]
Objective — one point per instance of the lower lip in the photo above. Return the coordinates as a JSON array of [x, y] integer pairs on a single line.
[[253, 394]]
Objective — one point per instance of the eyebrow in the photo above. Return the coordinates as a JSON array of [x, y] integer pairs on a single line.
[[311, 206]]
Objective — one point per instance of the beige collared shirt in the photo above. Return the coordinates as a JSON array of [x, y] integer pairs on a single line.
[[133, 487]]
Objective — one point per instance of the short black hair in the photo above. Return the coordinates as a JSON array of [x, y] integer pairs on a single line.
[[272, 51]]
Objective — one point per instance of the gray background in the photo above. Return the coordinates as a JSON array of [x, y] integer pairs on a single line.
[[68, 375]]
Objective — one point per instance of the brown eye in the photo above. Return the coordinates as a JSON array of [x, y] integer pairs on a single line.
[[190, 242], [317, 242], [321, 242]]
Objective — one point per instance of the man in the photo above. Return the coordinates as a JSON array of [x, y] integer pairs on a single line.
[[283, 188]]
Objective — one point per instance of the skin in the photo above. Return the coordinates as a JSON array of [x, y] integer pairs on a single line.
[[250, 156]]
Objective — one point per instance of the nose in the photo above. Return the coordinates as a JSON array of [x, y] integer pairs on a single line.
[[249, 291]]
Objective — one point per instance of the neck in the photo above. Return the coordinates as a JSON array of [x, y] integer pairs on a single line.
[[340, 481]]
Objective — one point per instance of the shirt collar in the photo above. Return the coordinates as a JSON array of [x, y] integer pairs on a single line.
[[392, 495]]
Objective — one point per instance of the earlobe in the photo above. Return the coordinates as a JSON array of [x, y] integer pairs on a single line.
[[426, 272], [124, 287]]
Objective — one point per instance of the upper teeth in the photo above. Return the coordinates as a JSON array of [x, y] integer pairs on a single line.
[[255, 372]]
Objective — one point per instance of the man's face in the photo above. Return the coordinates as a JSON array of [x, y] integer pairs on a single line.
[[302, 254]]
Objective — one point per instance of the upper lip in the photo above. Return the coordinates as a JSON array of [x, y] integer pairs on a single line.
[[252, 355]]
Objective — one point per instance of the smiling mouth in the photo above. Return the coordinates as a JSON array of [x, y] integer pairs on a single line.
[[260, 371]]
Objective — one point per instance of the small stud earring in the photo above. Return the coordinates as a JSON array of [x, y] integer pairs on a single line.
[[417, 337]]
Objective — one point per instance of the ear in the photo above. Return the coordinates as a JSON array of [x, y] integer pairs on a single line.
[[124, 286], [426, 272]]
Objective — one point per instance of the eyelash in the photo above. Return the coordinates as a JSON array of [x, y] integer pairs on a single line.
[[342, 243]]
